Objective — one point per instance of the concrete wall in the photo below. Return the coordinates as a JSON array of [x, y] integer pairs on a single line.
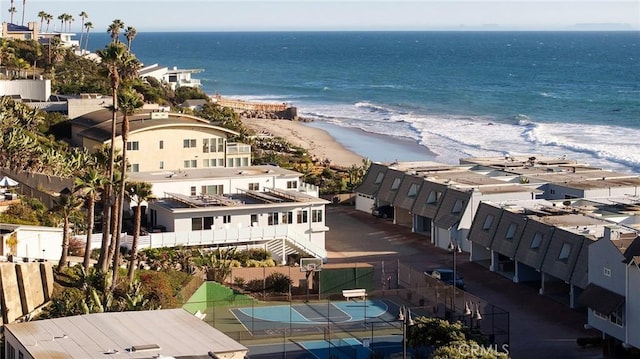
[[79, 106], [27, 89], [24, 288]]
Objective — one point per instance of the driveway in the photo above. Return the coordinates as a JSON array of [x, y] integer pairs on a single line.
[[539, 326]]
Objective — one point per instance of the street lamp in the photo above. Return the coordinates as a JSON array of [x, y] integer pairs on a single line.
[[405, 317], [454, 248]]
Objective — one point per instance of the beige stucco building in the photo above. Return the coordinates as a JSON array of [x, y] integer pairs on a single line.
[[163, 141]]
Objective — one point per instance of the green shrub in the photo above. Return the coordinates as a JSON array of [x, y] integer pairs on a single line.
[[278, 283]]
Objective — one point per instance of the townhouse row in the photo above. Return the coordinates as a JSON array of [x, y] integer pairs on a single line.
[[569, 228]]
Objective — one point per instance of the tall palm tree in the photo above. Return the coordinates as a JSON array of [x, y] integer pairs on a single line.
[[120, 66], [138, 193], [66, 205], [87, 25], [42, 15], [83, 15], [114, 29], [24, 3], [90, 183], [12, 10], [130, 34], [62, 18], [49, 17], [129, 101], [68, 19]]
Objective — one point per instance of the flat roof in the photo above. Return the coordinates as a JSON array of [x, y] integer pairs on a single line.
[[136, 334], [213, 173]]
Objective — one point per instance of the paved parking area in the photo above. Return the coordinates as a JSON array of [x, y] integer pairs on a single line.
[[540, 326]]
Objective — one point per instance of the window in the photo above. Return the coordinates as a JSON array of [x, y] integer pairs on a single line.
[[254, 220], [434, 197], [273, 219], [287, 217], [395, 184], [245, 161], [302, 217], [161, 165], [457, 207], [316, 215], [208, 222], [220, 162], [536, 241], [212, 189], [488, 220], [11, 353], [161, 144], [226, 219], [565, 251], [607, 272], [600, 315], [191, 164], [133, 146], [209, 145], [413, 190], [254, 186], [511, 231], [292, 184], [193, 190], [135, 167], [617, 316], [196, 224], [20, 355], [220, 145], [379, 178], [189, 143]]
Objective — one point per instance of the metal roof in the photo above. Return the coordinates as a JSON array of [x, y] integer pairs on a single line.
[[156, 333]]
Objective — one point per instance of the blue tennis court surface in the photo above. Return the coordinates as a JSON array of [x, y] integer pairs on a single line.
[[313, 317], [348, 348]]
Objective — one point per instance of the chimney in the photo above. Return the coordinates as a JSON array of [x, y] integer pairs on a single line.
[[611, 233]]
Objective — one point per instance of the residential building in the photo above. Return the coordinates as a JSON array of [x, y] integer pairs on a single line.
[[257, 206], [163, 141], [169, 333], [20, 32], [174, 77]]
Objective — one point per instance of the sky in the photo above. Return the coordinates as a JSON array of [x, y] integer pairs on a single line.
[[347, 15]]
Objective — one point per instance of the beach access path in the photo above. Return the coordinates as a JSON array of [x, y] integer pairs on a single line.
[[318, 142]]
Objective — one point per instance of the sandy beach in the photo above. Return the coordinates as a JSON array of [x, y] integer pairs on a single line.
[[318, 142]]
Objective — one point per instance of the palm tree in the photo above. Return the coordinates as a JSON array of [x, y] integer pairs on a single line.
[[90, 183], [24, 2], [42, 15], [129, 101], [67, 204], [48, 17], [114, 29], [130, 33], [120, 66], [83, 15], [138, 193], [68, 19], [62, 18], [87, 25], [12, 10]]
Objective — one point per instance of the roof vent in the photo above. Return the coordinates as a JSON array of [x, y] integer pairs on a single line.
[[137, 348]]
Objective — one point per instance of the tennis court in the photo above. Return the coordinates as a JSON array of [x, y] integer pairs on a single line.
[[315, 317]]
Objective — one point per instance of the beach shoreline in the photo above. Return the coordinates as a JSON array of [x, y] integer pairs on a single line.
[[341, 146], [320, 144]]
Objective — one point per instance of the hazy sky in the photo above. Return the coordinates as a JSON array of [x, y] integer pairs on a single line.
[[215, 15]]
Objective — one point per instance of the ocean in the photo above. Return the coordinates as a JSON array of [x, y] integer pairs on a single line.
[[456, 94]]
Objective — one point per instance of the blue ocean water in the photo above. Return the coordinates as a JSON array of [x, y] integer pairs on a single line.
[[458, 93]]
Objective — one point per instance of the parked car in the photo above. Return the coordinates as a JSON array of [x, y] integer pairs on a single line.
[[446, 275], [385, 211]]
